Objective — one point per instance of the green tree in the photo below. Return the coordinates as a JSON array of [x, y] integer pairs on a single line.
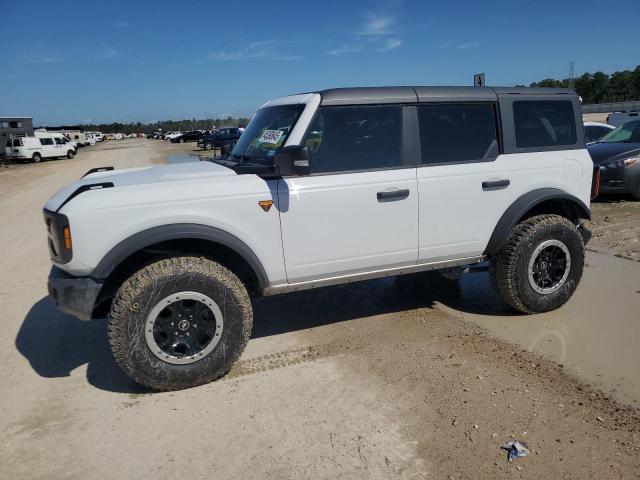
[[599, 87]]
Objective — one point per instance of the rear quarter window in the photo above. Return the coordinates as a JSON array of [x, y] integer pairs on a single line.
[[544, 123]]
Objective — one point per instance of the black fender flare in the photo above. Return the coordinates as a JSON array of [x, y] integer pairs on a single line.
[[524, 204], [178, 231]]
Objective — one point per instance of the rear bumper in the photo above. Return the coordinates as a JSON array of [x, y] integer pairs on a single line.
[[73, 295], [15, 156]]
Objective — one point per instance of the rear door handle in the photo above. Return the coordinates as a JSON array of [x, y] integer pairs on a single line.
[[495, 184], [392, 195]]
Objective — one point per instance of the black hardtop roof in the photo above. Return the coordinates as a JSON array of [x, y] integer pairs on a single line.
[[377, 95]]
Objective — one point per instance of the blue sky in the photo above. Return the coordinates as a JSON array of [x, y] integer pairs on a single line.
[[71, 62]]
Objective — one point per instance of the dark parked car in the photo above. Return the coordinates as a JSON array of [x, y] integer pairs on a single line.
[[224, 139], [594, 131], [192, 136], [618, 156]]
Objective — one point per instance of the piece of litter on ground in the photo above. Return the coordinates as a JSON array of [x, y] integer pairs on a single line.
[[600, 419], [515, 449]]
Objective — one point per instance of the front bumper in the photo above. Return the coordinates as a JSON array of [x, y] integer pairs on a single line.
[[617, 179], [74, 295]]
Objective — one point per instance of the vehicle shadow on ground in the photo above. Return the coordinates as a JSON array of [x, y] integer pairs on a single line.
[[324, 306], [55, 344]]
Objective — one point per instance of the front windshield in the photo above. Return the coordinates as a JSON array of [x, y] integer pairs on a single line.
[[266, 132], [627, 133]]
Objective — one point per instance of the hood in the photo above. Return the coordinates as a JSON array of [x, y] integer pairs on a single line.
[[138, 176], [602, 153]]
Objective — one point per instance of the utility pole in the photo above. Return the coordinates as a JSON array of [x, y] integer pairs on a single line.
[[571, 73]]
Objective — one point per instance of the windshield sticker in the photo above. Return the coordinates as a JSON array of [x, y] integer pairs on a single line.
[[271, 136]]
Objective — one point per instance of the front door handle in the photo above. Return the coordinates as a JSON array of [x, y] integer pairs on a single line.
[[495, 184], [392, 195]]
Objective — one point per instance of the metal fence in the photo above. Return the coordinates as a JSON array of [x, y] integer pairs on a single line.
[[632, 106]]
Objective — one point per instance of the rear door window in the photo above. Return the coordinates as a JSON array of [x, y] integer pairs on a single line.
[[355, 138], [46, 141], [544, 123], [451, 133]]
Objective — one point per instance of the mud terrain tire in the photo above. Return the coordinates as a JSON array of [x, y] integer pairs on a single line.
[[509, 270], [146, 289]]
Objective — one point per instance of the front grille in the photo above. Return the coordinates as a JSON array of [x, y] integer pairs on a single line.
[[55, 223]]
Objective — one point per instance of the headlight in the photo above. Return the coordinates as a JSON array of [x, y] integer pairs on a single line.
[[627, 162]]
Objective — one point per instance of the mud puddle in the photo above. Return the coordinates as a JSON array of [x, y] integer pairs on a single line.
[[594, 336]]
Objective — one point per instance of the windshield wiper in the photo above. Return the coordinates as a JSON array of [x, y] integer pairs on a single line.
[[241, 157]]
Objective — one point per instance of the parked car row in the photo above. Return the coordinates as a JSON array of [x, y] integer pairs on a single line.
[[220, 138]]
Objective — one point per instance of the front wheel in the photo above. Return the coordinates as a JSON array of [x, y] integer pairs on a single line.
[[541, 264], [70, 154], [208, 146], [180, 322], [182, 140]]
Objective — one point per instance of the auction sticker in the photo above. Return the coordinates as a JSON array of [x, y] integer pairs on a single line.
[[271, 136]]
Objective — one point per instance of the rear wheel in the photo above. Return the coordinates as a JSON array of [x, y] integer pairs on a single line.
[[208, 146], [182, 140], [37, 158], [540, 266], [180, 322]]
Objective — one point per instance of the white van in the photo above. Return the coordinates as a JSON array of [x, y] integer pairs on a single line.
[[94, 137], [37, 148], [57, 135]]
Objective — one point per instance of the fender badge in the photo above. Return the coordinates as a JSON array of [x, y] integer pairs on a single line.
[[265, 204]]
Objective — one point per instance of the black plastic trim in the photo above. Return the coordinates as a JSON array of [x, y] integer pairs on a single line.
[[74, 295], [519, 209], [495, 184], [390, 196], [85, 188], [56, 223], [99, 169], [178, 231]]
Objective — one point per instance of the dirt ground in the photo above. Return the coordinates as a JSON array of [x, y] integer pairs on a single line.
[[616, 226], [391, 378]]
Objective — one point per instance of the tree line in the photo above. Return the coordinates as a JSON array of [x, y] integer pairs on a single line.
[[600, 87], [166, 125]]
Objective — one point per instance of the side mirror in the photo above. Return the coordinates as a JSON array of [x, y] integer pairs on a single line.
[[292, 160]]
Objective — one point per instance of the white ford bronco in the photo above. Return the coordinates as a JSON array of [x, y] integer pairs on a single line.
[[324, 188]]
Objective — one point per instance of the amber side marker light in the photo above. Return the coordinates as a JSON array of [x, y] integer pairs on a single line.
[[66, 235], [265, 204]]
